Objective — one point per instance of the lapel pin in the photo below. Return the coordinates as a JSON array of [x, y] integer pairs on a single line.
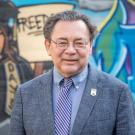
[[93, 92]]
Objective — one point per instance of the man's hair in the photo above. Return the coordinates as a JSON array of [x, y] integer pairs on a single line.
[[67, 16]]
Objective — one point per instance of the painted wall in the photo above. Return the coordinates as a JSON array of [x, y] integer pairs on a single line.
[[23, 21]]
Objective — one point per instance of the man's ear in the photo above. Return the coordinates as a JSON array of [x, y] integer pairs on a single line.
[[47, 46], [90, 49]]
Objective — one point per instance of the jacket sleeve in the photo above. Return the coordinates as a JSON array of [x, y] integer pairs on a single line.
[[125, 122], [16, 124]]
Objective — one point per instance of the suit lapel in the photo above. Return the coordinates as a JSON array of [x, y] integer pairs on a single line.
[[87, 102], [45, 102]]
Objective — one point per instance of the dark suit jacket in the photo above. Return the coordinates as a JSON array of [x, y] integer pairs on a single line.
[[110, 112]]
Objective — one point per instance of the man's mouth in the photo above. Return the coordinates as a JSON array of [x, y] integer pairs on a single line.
[[70, 61]]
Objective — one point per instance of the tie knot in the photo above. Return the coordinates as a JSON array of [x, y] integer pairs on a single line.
[[68, 82]]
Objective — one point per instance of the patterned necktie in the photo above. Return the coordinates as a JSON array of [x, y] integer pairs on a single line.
[[63, 110]]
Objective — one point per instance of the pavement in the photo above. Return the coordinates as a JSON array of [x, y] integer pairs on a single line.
[[4, 127]]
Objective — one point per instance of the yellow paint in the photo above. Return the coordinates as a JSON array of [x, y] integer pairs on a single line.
[[132, 2], [109, 16], [12, 80]]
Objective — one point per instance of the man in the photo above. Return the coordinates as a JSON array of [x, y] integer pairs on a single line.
[[72, 98]]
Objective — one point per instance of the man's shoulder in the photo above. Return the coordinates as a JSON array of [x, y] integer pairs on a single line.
[[37, 81], [108, 80]]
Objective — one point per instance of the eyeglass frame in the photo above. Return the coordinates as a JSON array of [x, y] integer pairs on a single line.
[[66, 46]]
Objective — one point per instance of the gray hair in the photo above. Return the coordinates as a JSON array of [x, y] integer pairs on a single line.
[[67, 16]]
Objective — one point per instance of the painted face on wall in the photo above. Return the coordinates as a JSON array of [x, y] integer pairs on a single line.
[[69, 60]]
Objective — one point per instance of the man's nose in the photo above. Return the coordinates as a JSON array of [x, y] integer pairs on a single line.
[[71, 48]]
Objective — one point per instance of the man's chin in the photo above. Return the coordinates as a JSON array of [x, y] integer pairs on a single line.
[[68, 72]]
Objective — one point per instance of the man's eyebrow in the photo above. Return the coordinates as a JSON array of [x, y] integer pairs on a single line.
[[78, 39], [62, 38]]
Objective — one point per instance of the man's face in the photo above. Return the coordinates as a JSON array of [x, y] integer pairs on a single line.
[[69, 61], [1, 41]]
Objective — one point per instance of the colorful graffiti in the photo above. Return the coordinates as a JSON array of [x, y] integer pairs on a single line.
[[22, 53], [114, 46]]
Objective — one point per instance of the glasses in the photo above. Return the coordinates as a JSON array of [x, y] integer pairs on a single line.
[[77, 44]]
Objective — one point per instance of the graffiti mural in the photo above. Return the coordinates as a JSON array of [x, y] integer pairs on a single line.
[[22, 51], [114, 46]]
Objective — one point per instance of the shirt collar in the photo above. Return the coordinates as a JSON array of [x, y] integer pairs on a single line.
[[57, 77], [77, 79]]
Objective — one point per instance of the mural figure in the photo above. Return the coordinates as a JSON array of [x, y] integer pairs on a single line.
[[13, 68]]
